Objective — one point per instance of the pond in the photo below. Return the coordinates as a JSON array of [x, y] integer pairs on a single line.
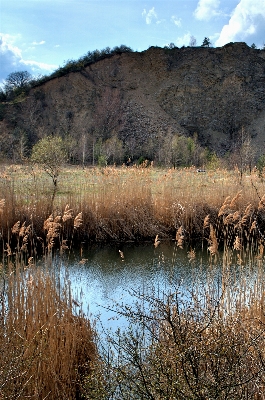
[[100, 277]]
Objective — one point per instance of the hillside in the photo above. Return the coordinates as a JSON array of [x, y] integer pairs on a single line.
[[144, 98]]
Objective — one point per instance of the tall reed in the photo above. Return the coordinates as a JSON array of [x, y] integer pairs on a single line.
[[47, 350]]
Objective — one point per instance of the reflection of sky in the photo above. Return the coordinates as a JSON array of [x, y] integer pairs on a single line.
[[105, 279]]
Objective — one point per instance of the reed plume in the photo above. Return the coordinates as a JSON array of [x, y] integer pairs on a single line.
[[68, 214], [157, 242], [180, 237], [78, 221], [213, 247]]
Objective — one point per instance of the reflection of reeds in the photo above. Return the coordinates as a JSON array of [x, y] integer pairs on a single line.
[[156, 242]]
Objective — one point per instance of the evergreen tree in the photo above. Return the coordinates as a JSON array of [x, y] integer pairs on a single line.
[[206, 42]]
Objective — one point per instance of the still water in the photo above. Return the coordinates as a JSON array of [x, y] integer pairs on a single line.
[[100, 277]]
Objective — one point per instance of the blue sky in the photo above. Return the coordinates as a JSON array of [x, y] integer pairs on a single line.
[[40, 35]]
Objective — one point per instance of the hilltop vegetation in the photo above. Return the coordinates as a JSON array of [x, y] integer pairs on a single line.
[[10, 92]]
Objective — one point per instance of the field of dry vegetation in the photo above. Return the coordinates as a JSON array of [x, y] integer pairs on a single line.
[[210, 347], [126, 204]]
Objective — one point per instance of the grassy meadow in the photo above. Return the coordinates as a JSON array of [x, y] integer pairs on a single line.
[[210, 347]]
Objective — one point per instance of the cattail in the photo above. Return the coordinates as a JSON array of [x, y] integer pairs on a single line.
[[75, 303]]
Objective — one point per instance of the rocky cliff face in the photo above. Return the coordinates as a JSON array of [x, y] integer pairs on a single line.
[[141, 97]]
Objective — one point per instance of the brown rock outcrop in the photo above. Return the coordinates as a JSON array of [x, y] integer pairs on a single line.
[[141, 96]]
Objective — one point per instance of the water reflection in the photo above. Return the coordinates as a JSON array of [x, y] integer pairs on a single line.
[[99, 276]]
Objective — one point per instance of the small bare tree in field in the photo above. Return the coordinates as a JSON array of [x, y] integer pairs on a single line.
[[51, 155]]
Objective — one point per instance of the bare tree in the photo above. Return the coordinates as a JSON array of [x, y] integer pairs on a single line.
[[17, 80], [193, 41], [112, 149]]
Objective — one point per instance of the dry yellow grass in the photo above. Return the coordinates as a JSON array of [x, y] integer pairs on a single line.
[[129, 203], [46, 350]]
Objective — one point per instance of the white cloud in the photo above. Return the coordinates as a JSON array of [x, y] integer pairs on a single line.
[[38, 43], [247, 21], [12, 59], [176, 21], [7, 47], [36, 66], [207, 9], [183, 40], [150, 15]]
